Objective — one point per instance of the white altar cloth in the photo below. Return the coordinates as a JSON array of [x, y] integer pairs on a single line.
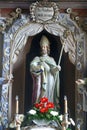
[[39, 128]]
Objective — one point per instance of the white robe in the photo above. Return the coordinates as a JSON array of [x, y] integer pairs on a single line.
[[46, 78]]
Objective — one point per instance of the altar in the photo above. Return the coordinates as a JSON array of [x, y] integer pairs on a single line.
[[39, 128], [47, 120]]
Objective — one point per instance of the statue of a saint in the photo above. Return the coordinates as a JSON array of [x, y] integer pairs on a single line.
[[45, 74], [83, 82]]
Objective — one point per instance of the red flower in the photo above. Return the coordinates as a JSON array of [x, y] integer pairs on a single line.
[[44, 99], [36, 105], [39, 105], [44, 109], [50, 105]]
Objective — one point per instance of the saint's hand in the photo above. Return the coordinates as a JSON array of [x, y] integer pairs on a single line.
[[45, 66], [80, 82], [59, 67], [56, 69]]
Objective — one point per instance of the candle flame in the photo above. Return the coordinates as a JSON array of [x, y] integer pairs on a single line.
[[65, 97], [16, 98]]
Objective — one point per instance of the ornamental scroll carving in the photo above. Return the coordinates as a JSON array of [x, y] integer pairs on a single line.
[[54, 22]]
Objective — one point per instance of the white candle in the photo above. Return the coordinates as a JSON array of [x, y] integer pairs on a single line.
[[18, 127], [17, 105], [65, 103]]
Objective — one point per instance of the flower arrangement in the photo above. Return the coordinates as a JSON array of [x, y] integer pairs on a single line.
[[43, 110], [43, 113]]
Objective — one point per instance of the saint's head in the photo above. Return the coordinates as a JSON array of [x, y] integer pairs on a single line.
[[45, 45]]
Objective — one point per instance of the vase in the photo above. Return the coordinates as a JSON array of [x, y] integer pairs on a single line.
[[41, 122]]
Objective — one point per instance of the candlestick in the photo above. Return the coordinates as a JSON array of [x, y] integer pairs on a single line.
[[65, 103], [63, 128], [18, 127], [17, 105], [78, 127]]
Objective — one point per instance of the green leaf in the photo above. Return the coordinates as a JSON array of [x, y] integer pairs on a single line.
[[68, 129], [48, 116]]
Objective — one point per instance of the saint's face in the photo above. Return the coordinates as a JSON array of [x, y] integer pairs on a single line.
[[44, 49]]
